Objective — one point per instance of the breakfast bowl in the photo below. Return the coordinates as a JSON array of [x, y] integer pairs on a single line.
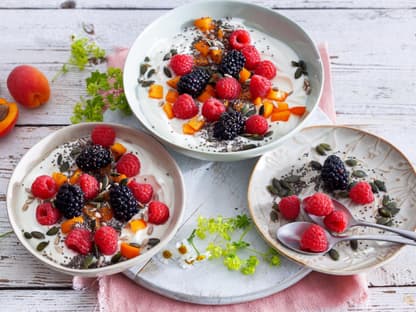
[[194, 53], [94, 199]]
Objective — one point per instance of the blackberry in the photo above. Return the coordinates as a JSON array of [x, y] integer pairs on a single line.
[[232, 63], [229, 125], [69, 200], [93, 157], [123, 203], [194, 83], [334, 174]]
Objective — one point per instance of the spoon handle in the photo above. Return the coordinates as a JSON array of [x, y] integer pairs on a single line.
[[404, 233], [384, 238]]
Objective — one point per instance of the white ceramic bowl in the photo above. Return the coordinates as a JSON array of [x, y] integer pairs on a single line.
[[173, 191], [256, 17]]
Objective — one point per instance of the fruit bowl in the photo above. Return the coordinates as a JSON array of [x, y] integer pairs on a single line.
[[149, 79], [44, 222]]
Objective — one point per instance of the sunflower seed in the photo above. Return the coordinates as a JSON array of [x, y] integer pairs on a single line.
[[374, 187], [147, 59], [325, 146], [153, 241], [351, 162], [315, 165], [384, 212], [272, 190], [320, 150], [42, 245], [354, 244], [27, 235], [150, 230], [25, 206], [381, 185], [59, 250], [273, 216], [116, 258], [37, 235], [167, 72], [52, 231], [333, 254], [298, 73], [87, 262], [151, 73], [143, 69], [359, 174]]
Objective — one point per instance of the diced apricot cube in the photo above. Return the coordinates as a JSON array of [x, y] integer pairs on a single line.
[[244, 75], [216, 55], [204, 23], [137, 224], [173, 82], [106, 213], [118, 178], [75, 177], [257, 101], [196, 123], [59, 178], [156, 91], [298, 110], [209, 92], [128, 251], [168, 109], [67, 225], [268, 108], [187, 129], [202, 47], [118, 150], [220, 34], [171, 96], [279, 96], [281, 116]]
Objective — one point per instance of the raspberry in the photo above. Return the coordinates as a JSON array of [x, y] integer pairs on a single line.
[[158, 212], [181, 64], [212, 109], [319, 204], [106, 239], [252, 56], [79, 240], [103, 135], [239, 39], [314, 239], [259, 86], [361, 193], [266, 69], [89, 186], [44, 187], [336, 221], [129, 165], [228, 88], [256, 124], [46, 214], [289, 207], [184, 107], [143, 192]]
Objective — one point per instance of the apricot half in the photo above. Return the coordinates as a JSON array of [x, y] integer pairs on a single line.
[[9, 112], [28, 86]]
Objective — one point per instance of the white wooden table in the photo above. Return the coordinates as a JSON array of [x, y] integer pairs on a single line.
[[372, 46]]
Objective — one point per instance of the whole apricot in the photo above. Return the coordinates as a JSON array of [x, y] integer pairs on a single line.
[[28, 86], [9, 112]]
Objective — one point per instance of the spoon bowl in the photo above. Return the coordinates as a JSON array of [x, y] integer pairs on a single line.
[[290, 235]]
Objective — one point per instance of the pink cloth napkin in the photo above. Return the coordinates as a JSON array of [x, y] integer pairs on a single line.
[[316, 292]]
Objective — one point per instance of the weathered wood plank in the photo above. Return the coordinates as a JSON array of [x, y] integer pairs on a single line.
[[82, 4], [370, 80]]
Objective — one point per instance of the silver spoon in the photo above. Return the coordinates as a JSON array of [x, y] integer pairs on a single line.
[[290, 234], [356, 222]]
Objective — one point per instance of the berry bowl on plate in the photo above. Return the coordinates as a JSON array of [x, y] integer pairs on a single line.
[[95, 199], [223, 81]]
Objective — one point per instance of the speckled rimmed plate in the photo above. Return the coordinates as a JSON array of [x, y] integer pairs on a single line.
[[376, 156], [262, 19], [148, 149]]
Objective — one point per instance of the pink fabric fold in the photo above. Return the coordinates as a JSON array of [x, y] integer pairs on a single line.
[[316, 292]]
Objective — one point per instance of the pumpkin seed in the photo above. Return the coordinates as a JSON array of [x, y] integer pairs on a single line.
[[27, 235], [124, 181], [302, 64], [325, 146], [275, 206], [320, 150], [273, 216], [384, 212], [354, 244], [394, 211], [333, 254], [147, 59], [383, 220], [359, 174], [381, 185], [116, 258], [173, 52], [298, 73], [256, 137], [52, 231], [87, 262], [167, 72], [343, 194], [37, 235], [4, 111], [135, 245], [386, 200], [268, 133], [64, 167], [261, 110], [247, 147], [75, 152], [374, 187], [153, 241], [295, 64], [351, 185], [292, 178], [276, 184], [284, 184], [151, 73], [272, 190], [147, 83], [105, 182], [143, 69], [315, 165], [59, 160], [391, 205], [351, 162], [167, 56], [42, 245]]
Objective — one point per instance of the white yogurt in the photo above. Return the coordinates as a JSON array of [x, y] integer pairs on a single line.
[[270, 48]]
